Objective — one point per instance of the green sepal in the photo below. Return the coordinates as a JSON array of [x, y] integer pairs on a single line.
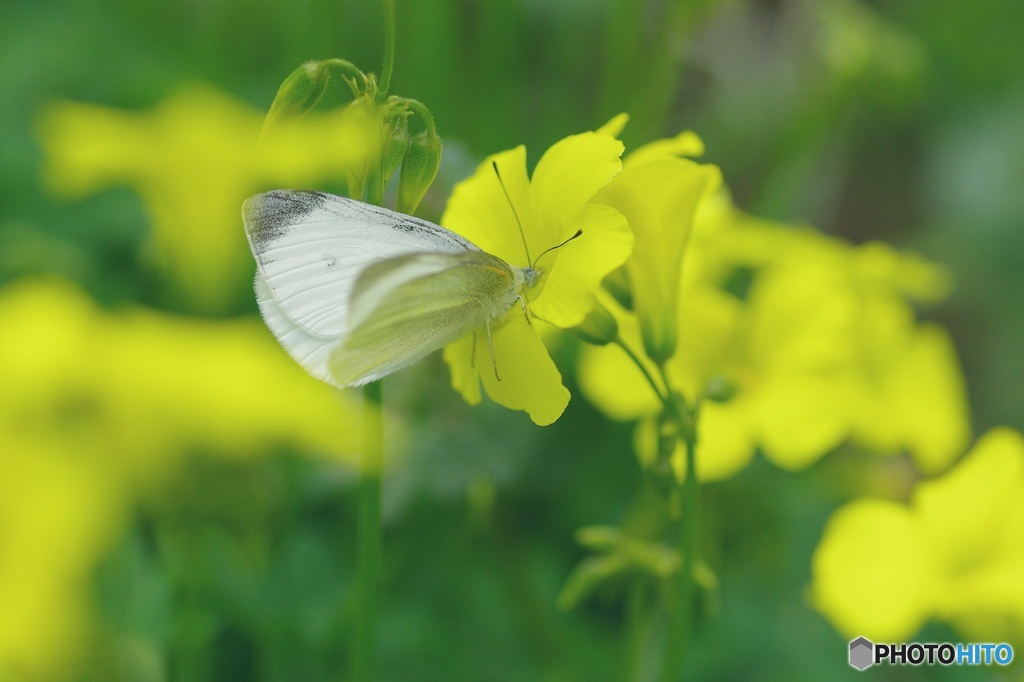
[[422, 158], [361, 179], [668, 436], [396, 144], [619, 286], [659, 337], [419, 168], [599, 327], [618, 559]]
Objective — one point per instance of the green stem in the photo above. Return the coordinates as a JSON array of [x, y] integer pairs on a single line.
[[662, 394], [688, 549], [686, 503], [685, 506], [368, 538], [418, 108], [389, 50], [635, 630]]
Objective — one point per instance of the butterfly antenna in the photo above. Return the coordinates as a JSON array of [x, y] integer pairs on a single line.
[[522, 234], [579, 233]]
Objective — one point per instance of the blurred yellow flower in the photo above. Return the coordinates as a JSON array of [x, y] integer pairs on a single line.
[[193, 159], [95, 406], [820, 346], [834, 339], [59, 512], [149, 386], [551, 207], [882, 569], [660, 194]]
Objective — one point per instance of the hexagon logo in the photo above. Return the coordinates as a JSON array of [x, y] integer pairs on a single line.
[[862, 653]]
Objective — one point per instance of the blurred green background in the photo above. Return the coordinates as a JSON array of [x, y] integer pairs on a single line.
[[870, 120]]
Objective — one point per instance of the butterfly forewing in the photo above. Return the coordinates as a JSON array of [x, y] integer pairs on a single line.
[[311, 247], [307, 349], [407, 307]]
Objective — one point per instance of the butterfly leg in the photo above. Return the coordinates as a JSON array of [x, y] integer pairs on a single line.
[[526, 313], [472, 353], [494, 363]]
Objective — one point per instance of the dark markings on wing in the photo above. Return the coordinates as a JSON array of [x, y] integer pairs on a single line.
[[406, 224], [268, 217]]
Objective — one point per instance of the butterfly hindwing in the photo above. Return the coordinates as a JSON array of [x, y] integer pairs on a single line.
[[407, 307]]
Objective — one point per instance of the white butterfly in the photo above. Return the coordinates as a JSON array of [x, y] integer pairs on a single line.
[[354, 291]]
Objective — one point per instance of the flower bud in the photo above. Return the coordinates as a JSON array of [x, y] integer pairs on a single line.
[[419, 167], [364, 114], [304, 87], [668, 436], [659, 335], [396, 142], [598, 328], [720, 389]]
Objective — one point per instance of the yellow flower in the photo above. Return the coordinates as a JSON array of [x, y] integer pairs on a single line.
[[882, 569], [59, 513], [150, 387], [611, 381], [820, 347], [551, 207], [660, 194], [193, 160], [95, 408]]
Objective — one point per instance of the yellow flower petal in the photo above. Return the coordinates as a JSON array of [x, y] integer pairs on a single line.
[[931, 401], [60, 511], [461, 360], [686, 143], [707, 346], [479, 210], [615, 125], [576, 270], [614, 385], [954, 553], [193, 159], [529, 380], [964, 509], [724, 443], [550, 209], [568, 175], [659, 200], [873, 574], [800, 418]]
